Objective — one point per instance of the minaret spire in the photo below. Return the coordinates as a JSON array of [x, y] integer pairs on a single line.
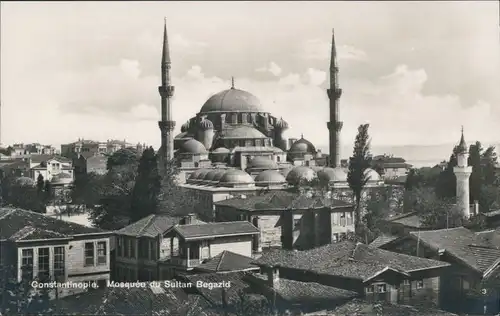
[[462, 173], [334, 93], [232, 82], [166, 90]]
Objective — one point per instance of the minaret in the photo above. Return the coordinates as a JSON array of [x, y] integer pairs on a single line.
[[334, 93], [167, 124], [462, 173]]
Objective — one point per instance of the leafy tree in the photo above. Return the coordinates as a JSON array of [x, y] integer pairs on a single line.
[[147, 187], [122, 157], [358, 163], [87, 189], [447, 182], [435, 212], [48, 193], [476, 177], [22, 194], [378, 207]]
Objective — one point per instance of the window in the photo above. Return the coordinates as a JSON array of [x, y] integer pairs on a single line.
[[381, 288], [194, 251], [89, 254], [406, 282], [119, 246], [43, 263], [370, 289], [420, 284], [58, 262], [342, 219], [27, 263], [101, 253], [154, 250], [125, 247], [349, 218]]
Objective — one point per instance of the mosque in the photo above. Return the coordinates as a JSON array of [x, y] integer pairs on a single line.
[[233, 144]]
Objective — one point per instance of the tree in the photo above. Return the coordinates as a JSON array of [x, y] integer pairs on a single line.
[[122, 157], [379, 205], [22, 193], [435, 212], [87, 189], [447, 182], [40, 183], [358, 163], [147, 187], [476, 177], [48, 193]]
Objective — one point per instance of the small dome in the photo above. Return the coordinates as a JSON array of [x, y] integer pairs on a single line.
[[183, 136], [235, 176], [24, 182], [372, 175], [194, 175], [202, 174], [218, 175], [193, 146], [300, 173], [185, 127], [281, 124], [206, 125], [277, 150], [209, 177], [332, 175], [232, 100], [260, 162], [302, 146], [269, 177], [285, 172], [221, 150]]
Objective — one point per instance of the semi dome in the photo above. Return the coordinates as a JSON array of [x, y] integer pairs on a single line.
[[185, 127], [235, 177], [268, 177], [260, 162], [303, 146], [372, 175], [206, 125], [332, 175], [210, 176], [232, 100], [194, 175], [300, 173], [193, 146], [201, 176], [217, 176], [242, 132]]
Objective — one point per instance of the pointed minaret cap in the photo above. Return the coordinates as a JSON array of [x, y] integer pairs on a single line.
[[333, 57], [165, 59], [462, 146]]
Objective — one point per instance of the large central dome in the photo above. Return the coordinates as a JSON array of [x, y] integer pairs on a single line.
[[232, 100]]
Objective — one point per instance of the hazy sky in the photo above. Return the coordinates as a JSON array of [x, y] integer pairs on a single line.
[[415, 71]]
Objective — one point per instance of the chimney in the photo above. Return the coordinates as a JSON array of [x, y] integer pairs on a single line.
[[476, 207], [188, 219], [273, 277]]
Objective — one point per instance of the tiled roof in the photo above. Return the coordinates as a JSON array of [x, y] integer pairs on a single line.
[[471, 248], [306, 292], [281, 200], [407, 219], [227, 261], [347, 259], [233, 293], [164, 301], [359, 307], [33, 233], [199, 231], [382, 240], [42, 158], [12, 221], [149, 226]]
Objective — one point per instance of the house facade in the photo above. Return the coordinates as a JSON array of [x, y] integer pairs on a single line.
[[198, 243], [289, 219], [374, 274], [43, 248], [471, 284]]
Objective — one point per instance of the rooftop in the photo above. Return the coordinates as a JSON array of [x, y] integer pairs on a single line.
[[473, 249], [281, 200], [382, 240], [359, 307], [18, 224], [347, 259], [227, 261], [219, 229], [151, 226]]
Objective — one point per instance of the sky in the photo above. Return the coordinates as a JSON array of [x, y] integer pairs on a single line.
[[415, 71]]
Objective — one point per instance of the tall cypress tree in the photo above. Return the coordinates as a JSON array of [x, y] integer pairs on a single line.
[[358, 163], [447, 182], [147, 186], [476, 179]]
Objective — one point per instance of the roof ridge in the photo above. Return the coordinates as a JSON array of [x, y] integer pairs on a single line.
[[220, 261], [146, 225], [9, 212]]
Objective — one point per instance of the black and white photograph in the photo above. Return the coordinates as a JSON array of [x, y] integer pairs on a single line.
[[260, 158]]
